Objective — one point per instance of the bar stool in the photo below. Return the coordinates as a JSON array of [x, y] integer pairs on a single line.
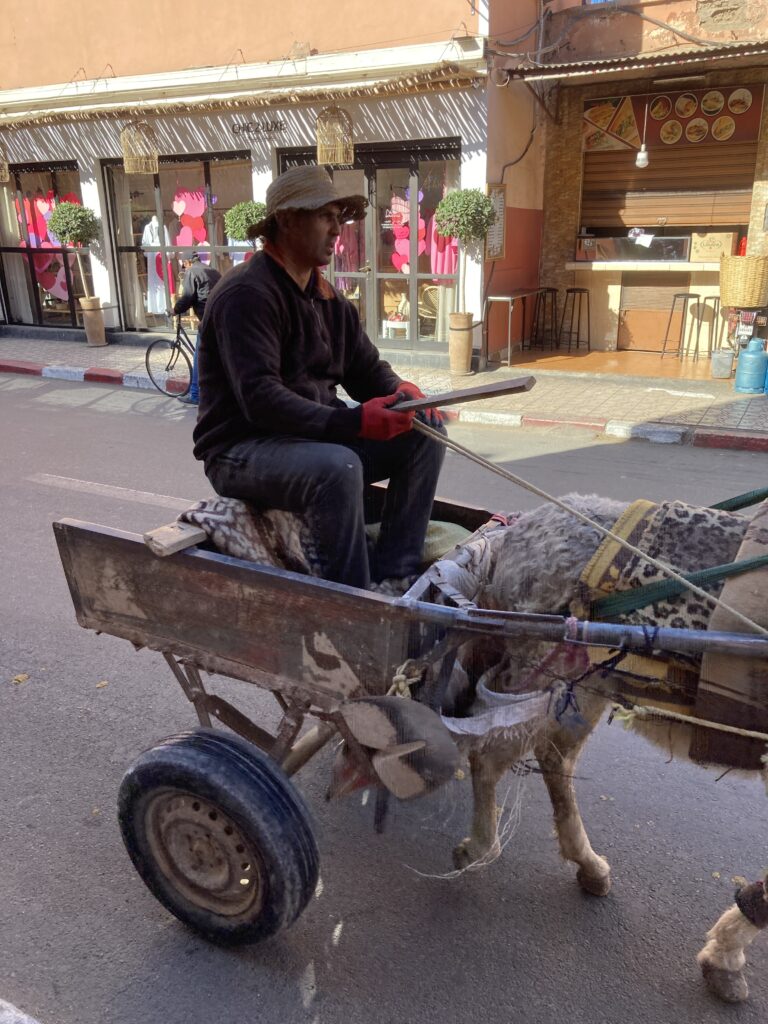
[[715, 328], [574, 335], [686, 298], [544, 325]]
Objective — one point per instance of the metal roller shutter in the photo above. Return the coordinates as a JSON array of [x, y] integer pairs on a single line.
[[708, 186]]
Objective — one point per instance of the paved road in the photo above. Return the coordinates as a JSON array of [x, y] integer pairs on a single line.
[[82, 941]]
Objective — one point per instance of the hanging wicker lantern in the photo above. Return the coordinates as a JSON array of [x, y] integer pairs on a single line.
[[335, 142], [5, 172], [139, 144]]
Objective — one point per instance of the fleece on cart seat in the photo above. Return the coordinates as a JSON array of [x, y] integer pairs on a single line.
[[284, 539]]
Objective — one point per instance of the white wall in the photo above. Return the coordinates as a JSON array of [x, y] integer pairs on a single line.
[[438, 115]]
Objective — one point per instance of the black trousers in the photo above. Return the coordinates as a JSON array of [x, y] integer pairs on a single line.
[[325, 482]]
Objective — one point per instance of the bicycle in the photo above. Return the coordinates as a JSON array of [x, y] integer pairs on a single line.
[[169, 363]]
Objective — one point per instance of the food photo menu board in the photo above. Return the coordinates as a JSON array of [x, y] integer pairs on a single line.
[[720, 115]]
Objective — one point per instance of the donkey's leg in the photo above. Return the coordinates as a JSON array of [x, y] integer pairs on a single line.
[[483, 841], [722, 959], [557, 754]]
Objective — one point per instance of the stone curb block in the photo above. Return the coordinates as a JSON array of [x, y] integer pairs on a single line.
[[104, 376], [709, 438], [546, 421], [501, 419], [63, 372], [19, 366], [138, 380], [659, 433]]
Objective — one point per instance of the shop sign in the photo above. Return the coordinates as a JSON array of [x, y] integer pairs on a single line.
[[720, 115], [258, 127], [495, 239]]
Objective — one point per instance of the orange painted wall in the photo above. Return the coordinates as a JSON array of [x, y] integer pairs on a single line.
[[602, 32], [93, 38], [519, 269]]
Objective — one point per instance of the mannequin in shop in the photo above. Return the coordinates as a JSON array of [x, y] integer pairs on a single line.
[[156, 300]]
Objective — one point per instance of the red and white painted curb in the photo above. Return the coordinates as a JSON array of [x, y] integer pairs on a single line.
[[657, 433], [92, 374]]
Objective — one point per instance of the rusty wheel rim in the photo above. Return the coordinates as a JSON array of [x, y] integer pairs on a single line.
[[203, 854]]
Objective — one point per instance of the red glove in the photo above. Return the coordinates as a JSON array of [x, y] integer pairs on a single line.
[[380, 422], [432, 417], [410, 390]]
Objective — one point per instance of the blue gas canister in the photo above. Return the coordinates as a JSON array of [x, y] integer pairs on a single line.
[[751, 368]]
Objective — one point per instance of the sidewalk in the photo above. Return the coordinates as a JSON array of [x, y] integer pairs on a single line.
[[704, 413]]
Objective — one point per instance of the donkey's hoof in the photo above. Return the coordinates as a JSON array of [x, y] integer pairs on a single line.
[[595, 885], [469, 854], [730, 986]]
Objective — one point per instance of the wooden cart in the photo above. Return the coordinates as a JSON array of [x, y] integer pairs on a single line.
[[210, 819]]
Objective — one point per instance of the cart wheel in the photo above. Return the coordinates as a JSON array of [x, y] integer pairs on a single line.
[[219, 835]]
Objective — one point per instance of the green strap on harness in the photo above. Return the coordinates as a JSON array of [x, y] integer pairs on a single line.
[[626, 601], [742, 500]]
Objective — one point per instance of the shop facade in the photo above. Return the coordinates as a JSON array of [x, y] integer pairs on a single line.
[[417, 134], [648, 180]]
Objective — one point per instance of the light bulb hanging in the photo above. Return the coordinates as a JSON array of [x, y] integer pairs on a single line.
[[641, 160]]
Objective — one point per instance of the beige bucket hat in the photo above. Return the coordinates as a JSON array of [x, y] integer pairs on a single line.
[[307, 188]]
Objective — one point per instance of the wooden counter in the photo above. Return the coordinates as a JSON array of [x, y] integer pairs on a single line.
[[607, 282]]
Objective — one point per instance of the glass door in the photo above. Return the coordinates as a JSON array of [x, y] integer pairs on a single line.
[[350, 271], [391, 219], [400, 274]]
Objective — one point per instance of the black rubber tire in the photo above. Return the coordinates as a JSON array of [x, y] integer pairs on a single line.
[[255, 797], [169, 368]]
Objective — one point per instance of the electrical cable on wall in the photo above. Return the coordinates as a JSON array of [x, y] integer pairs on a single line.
[[599, 10]]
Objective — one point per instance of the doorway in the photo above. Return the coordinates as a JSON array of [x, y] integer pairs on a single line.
[[393, 266]]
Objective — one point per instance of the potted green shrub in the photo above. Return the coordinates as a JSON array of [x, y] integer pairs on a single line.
[[466, 215], [75, 225], [241, 217]]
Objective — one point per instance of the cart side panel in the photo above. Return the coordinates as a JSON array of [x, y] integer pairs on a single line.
[[316, 639]]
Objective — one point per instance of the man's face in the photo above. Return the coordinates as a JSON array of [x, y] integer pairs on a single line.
[[309, 236]]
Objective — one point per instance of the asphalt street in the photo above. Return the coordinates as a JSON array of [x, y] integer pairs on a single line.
[[386, 940]]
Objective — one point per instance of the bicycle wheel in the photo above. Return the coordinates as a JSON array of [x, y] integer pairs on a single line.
[[169, 367]]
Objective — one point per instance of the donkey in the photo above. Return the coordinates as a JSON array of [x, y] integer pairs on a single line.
[[534, 566]]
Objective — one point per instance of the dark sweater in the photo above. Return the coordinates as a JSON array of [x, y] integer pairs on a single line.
[[271, 357], [196, 287]]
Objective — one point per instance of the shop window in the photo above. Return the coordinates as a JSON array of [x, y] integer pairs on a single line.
[[160, 220], [42, 279]]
